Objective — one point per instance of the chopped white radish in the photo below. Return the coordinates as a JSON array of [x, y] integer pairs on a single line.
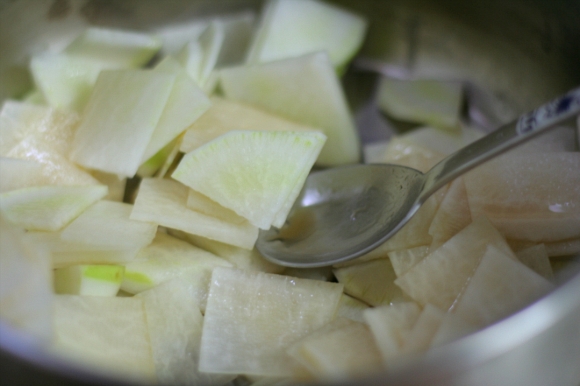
[[452, 327], [124, 49], [25, 284], [107, 335], [19, 174], [48, 208], [293, 28], [431, 102], [174, 322], [305, 90], [265, 179], [424, 329], [441, 276], [500, 286], [163, 201], [203, 204], [390, 325], [372, 282], [351, 308], [115, 142], [106, 226], [252, 318], [17, 120], [546, 207], [200, 56], [115, 184], [89, 280], [405, 259], [536, 258], [341, 349], [225, 115], [319, 273]]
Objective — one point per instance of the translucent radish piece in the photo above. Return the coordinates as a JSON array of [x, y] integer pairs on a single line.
[[339, 350], [424, 329], [499, 287], [25, 284], [248, 259], [163, 201], [203, 204], [35, 97], [517, 193], [176, 35], [185, 105], [351, 308], [256, 174], [305, 90], [124, 49], [48, 208], [390, 325], [441, 276], [65, 81], [224, 116], [405, 259], [401, 152], [119, 119], [106, 226], [150, 167], [536, 258], [167, 258], [107, 335], [238, 31], [174, 322], [432, 102], [320, 273], [372, 282], [252, 318], [19, 174], [89, 280], [294, 28], [17, 120], [115, 183], [452, 327], [373, 152], [452, 215]]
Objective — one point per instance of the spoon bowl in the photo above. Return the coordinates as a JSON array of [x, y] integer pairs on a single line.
[[347, 211]]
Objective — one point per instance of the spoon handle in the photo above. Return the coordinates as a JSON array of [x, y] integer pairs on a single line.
[[506, 137]]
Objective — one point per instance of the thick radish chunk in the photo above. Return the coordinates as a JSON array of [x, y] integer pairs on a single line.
[[537, 259], [91, 280], [305, 90], [123, 49], [119, 119], [292, 28], [252, 318], [405, 259], [163, 201], [48, 208], [108, 335], [19, 174], [256, 174]]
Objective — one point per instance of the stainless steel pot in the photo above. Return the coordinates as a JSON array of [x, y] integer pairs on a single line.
[[524, 52]]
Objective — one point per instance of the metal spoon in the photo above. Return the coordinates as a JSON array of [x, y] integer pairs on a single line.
[[345, 212]]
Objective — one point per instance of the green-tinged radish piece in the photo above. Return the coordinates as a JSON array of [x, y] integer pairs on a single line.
[[293, 28], [19, 174], [305, 90], [431, 102], [424, 329], [163, 201], [174, 322], [537, 259], [89, 280], [372, 282], [65, 253], [107, 226], [107, 335], [203, 204], [48, 208], [120, 118], [452, 215], [390, 325], [35, 97], [351, 308], [339, 350], [256, 174], [65, 81], [153, 165], [251, 319], [167, 258], [248, 259], [442, 275], [225, 115], [185, 105], [499, 287], [115, 184], [518, 195], [452, 327], [25, 284], [122, 49], [405, 259]]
